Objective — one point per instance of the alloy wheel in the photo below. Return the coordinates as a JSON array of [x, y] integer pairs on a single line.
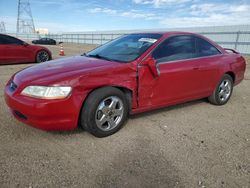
[[225, 89], [43, 56], [109, 113]]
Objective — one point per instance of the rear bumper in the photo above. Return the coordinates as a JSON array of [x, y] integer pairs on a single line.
[[50, 115]]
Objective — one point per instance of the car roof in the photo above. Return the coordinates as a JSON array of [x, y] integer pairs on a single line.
[[2, 34], [6, 35], [175, 33], [167, 33]]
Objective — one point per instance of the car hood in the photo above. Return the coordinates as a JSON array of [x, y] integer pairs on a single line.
[[51, 70]]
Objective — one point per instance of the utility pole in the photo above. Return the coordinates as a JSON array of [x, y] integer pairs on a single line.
[[25, 23], [2, 27]]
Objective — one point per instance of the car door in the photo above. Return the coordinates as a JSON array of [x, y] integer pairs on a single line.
[[179, 74], [16, 51]]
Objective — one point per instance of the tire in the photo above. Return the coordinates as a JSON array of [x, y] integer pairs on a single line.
[[223, 91], [42, 56], [99, 116]]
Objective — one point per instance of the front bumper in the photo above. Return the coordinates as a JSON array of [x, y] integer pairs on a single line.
[[44, 114]]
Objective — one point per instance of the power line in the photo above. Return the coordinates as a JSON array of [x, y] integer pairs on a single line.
[[25, 23]]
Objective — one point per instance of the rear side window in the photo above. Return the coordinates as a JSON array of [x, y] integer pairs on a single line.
[[3, 40], [9, 40], [204, 48], [175, 48]]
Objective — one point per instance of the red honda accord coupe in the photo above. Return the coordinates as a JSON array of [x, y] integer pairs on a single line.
[[134, 73], [13, 50]]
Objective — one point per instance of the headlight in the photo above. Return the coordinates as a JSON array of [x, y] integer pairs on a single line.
[[53, 92]]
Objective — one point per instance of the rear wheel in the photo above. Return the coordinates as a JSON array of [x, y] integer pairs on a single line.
[[104, 112], [223, 91], [42, 56]]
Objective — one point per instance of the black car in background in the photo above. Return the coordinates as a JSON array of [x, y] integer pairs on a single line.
[[44, 41]]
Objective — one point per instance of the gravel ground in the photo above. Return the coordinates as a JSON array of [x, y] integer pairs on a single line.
[[189, 145]]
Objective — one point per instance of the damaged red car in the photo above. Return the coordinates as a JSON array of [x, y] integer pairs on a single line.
[[134, 73]]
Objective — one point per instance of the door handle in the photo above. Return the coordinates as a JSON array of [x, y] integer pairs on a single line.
[[196, 68]]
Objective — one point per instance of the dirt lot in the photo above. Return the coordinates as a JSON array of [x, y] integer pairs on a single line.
[[190, 145]]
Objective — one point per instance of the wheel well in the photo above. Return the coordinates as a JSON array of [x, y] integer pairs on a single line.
[[231, 74], [128, 94]]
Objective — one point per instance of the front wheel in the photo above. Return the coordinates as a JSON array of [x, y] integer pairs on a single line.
[[104, 112], [223, 91], [42, 56]]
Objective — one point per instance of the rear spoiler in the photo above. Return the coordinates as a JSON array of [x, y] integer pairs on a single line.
[[232, 50]]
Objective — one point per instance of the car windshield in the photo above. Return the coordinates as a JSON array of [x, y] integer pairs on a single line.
[[126, 48]]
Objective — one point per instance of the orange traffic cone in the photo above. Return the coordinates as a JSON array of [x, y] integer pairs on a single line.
[[61, 50]]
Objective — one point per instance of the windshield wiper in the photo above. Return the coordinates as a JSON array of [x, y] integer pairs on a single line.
[[99, 57]]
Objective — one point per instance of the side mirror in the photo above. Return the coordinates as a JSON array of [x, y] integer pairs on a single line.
[[154, 67]]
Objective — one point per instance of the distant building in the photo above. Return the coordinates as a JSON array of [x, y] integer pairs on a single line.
[[42, 31]]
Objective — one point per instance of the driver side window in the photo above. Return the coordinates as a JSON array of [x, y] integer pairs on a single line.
[[175, 48]]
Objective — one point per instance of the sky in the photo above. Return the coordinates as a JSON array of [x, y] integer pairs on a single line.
[[96, 15]]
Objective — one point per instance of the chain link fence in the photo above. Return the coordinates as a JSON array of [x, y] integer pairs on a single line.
[[237, 40]]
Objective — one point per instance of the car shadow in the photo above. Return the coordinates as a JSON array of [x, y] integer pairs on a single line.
[[13, 64], [75, 131], [80, 130]]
